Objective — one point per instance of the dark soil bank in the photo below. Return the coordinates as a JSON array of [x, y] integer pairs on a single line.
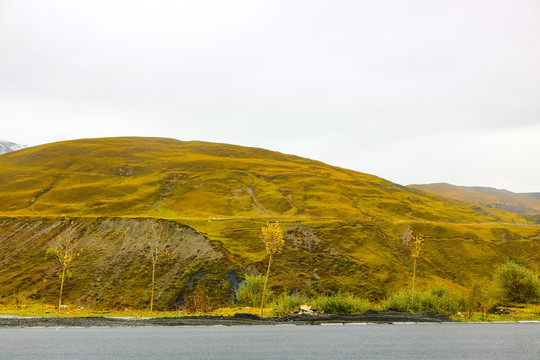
[[370, 316]]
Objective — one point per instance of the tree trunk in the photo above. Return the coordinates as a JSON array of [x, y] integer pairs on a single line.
[[153, 282], [265, 282], [472, 300], [413, 279], [61, 288]]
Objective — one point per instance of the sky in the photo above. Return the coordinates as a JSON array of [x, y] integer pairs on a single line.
[[416, 91]]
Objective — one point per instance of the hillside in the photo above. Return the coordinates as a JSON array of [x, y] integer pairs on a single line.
[[174, 179], [523, 204], [321, 256], [344, 230], [534, 195]]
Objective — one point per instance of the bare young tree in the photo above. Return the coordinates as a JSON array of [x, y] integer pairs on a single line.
[[415, 243], [154, 245], [272, 237], [66, 249]]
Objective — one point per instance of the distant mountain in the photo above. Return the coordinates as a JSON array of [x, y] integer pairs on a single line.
[[533, 195], [524, 204], [6, 146]]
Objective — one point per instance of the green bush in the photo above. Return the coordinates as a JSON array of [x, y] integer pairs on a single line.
[[340, 304], [479, 299], [285, 304], [402, 301], [443, 301], [249, 293], [438, 299], [513, 283], [329, 304]]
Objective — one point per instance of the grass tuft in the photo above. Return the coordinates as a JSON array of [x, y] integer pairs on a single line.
[[438, 299]]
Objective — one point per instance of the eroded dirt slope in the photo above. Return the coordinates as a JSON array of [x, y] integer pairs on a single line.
[[110, 270]]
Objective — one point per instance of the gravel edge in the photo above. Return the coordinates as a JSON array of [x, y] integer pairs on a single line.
[[370, 316]]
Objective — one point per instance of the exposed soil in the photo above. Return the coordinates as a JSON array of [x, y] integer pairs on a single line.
[[110, 270], [370, 316]]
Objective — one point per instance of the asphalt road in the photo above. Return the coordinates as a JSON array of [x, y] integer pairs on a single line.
[[354, 341]]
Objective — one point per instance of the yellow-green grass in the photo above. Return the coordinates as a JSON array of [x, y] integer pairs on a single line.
[[166, 177], [522, 313], [466, 253], [511, 313], [42, 310]]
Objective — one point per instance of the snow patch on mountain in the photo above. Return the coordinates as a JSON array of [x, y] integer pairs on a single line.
[[6, 146]]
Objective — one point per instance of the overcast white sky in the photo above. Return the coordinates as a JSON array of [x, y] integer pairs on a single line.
[[415, 91]]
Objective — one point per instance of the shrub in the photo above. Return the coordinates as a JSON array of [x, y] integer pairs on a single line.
[[329, 304], [479, 299], [340, 304], [443, 301], [438, 299], [513, 283], [402, 301], [249, 293], [288, 303], [198, 302]]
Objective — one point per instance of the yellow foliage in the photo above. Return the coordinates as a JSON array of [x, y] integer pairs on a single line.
[[415, 244], [66, 250], [272, 237]]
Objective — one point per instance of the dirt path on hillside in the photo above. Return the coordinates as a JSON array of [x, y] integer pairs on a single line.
[[370, 316]]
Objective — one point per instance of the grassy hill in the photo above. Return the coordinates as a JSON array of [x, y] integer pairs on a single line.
[[344, 230], [523, 204], [174, 179], [534, 195]]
